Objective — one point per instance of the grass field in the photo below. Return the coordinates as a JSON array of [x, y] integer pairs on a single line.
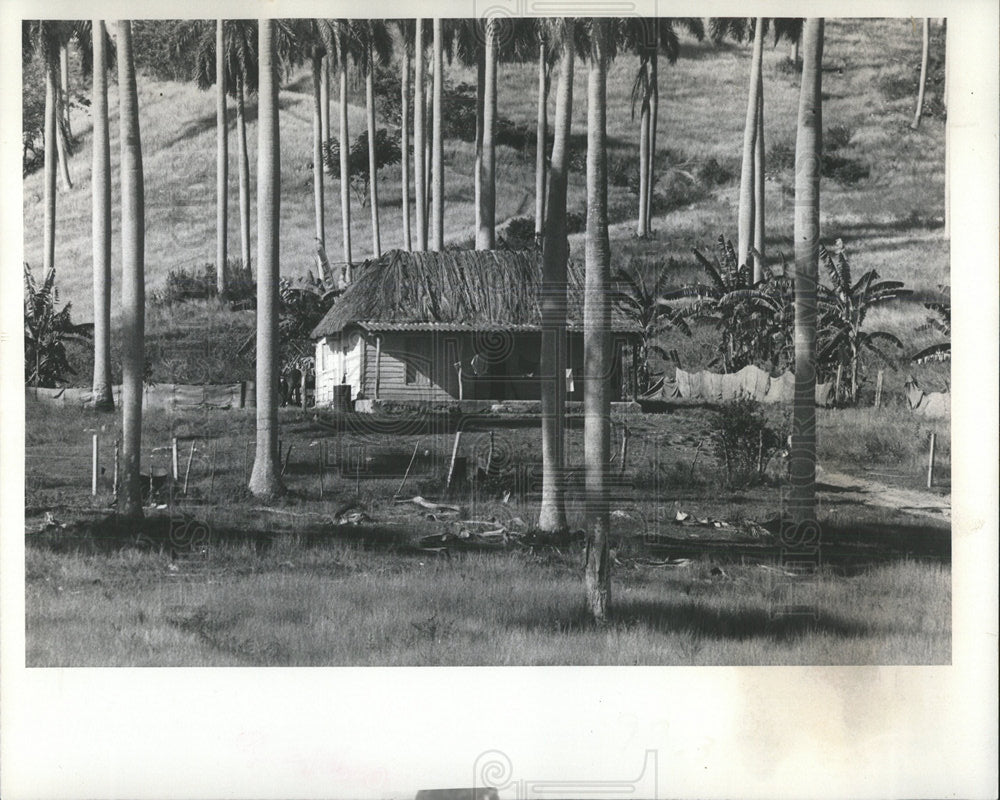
[[291, 584]]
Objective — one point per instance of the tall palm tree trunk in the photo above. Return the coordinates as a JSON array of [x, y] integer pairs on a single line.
[[265, 480], [541, 133], [552, 515], [437, 149], [486, 233], [64, 87], [222, 162], [642, 228], [133, 278], [758, 182], [372, 163], [318, 201], [51, 125], [597, 334], [101, 223], [243, 159], [419, 131], [62, 146], [345, 146], [923, 74], [404, 143], [746, 210], [324, 93], [808, 149], [654, 118], [477, 166], [947, 135]]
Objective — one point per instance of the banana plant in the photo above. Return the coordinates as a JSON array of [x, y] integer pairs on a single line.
[[46, 332], [842, 309]]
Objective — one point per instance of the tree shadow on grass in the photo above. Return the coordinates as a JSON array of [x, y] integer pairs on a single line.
[[699, 620]]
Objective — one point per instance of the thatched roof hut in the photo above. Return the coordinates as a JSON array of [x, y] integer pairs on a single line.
[[452, 290], [446, 325]]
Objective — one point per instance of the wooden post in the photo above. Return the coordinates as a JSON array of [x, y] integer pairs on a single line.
[[94, 467], [624, 456], [930, 463], [378, 364], [302, 388], [175, 468], [454, 454], [408, 467], [284, 464], [878, 390], [836, 386], [115, 476], [489, 455], [187, 469], [246, 459]]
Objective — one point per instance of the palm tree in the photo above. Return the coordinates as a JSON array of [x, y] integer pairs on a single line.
[[552, 515], [316, 55], [486, 223], [647, 37], [597, 333], [101, 224], [42, 38], [808, 150], [133, 278], [375, 45], [747, 193], [343, 37], [64, 87], [923, 74], [238, 66], [437, 146], [265, 480], [221, 162], [406, 37], [541, 129], [419, 128]]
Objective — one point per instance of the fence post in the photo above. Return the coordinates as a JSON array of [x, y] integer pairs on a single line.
[[94, 468], [878, 390], [173, 459], [930, 463], [115, 478]]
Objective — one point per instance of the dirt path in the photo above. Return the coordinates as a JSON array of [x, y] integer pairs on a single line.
[[869, 492]]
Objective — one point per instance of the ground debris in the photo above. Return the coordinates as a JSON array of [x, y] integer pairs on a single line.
[[429, 505]]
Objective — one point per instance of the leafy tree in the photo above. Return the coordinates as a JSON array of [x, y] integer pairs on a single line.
[[387, 153], [46, 332], [640, 299], [941, 322], [842, 310]]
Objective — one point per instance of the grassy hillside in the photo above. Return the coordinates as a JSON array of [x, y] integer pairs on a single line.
[[890, 220]]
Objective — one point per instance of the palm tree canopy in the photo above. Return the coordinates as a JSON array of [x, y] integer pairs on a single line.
[[240, 56]]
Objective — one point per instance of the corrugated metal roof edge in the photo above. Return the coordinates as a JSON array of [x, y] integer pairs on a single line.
[[457, 327]]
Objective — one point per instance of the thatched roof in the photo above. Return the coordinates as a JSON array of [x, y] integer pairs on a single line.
[[449, 290]]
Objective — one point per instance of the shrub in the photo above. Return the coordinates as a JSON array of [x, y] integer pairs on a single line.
[[576, 222], [199, 283], [624, 171], [847, 171], [837, 137], [898, 87], [679, 191], [781, 157], [712, 173], [520, 233], [745, 441]]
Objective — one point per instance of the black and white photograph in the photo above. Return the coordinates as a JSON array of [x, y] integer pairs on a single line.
[[516, 335]]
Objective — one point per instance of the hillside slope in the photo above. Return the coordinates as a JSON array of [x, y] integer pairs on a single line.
[[890, 220]]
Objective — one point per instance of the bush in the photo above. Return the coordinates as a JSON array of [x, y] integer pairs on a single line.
[[679, 191], [712, 173], [781, 157], [847, 171], [744, 441], [898, 87], [576, 222], [624, 171], [199, 283], [520, 233], [837, 137]]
